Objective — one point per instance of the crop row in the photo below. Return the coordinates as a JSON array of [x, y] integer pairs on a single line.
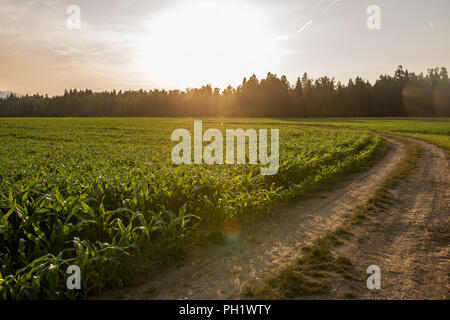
[[114, 204]]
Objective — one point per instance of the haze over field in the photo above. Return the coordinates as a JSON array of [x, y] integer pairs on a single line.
[[178, 44]]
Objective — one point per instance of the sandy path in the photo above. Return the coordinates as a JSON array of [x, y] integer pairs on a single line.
[[217, 272], [410, 242]]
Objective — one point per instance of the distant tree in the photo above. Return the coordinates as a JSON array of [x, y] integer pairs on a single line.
[[403, 94]]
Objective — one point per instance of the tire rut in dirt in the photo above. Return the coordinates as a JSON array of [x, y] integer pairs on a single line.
[[410, 241]]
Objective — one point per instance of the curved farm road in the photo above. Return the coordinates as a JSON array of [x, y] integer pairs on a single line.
[[412, 249], [410, 242]]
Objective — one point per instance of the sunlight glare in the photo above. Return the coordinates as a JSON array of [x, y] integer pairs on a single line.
[[207, 42]]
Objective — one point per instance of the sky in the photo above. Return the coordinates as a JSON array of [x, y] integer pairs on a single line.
[[175, 44]]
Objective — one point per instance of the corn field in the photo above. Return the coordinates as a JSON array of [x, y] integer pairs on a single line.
[[103, 194]]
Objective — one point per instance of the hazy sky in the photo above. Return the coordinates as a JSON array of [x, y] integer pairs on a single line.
[[178, 44]]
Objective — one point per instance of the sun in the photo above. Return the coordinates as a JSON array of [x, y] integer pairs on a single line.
[[190, 44]]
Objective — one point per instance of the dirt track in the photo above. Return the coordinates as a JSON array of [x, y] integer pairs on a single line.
[[218, 272], [409, 242]]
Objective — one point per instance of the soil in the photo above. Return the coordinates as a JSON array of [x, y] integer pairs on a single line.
[[409, 241]]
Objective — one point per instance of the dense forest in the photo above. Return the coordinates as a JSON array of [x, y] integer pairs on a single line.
[[403, 94]]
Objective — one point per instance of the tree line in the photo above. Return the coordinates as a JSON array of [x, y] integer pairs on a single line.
[[403, 94]]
